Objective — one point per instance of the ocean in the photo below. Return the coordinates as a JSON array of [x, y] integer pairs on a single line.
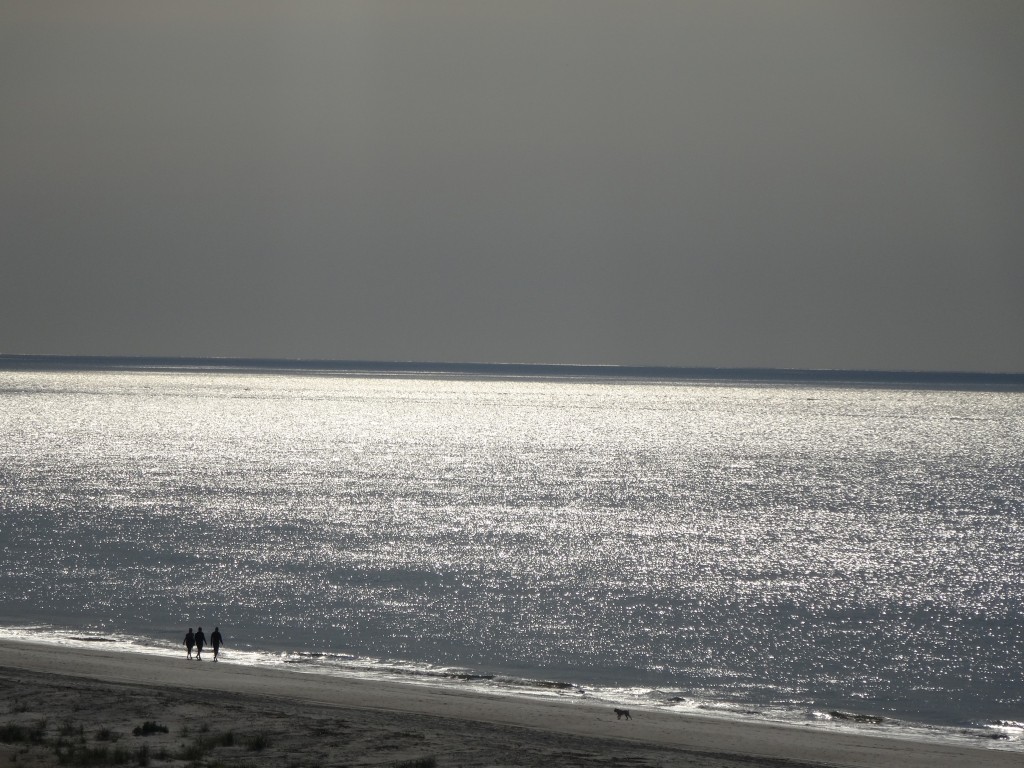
[[829, 554]]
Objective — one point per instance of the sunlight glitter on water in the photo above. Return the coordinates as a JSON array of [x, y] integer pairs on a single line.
[[853, 547]]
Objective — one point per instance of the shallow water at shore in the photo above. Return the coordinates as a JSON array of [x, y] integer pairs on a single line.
[[1004, 735], [785, 550]]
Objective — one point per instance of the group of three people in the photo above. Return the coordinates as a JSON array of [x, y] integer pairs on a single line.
[[198, 640]]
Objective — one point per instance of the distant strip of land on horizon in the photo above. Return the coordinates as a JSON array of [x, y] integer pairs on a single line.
[[943, 379]]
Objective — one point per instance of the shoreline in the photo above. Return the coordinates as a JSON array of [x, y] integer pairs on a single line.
[[454, 727], [991, 732]]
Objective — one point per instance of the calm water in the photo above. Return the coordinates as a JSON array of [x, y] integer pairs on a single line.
[[779, 551]]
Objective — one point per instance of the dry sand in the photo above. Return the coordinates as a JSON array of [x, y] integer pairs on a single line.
[[231, 715]]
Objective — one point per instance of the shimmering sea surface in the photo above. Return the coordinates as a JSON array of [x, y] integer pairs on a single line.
[[773, 551]]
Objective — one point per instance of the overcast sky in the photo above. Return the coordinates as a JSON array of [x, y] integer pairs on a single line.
[[761, 183]]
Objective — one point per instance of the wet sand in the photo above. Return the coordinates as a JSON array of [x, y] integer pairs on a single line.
[[224, 714]]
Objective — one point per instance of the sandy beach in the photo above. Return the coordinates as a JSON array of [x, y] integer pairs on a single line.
[[96, 701]]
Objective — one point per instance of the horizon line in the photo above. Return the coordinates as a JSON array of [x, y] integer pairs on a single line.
[[974, 379]]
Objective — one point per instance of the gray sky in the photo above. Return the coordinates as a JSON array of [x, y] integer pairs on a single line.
[[761, 183]]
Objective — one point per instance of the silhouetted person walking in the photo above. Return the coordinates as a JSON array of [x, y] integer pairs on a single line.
[[200, 642], [215, 641], [190, 640]]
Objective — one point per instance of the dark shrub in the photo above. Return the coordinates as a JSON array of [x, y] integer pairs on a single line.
[[148, 728]]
